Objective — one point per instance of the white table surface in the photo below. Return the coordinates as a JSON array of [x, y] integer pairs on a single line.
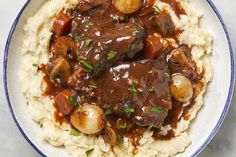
[[13, 144]]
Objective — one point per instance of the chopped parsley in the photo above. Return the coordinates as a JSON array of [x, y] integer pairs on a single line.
[[157, 10], [88, 42], [129, 110], [89, 25], [74, 5], [35, 65], [78, 109], [88, 152], [157, 109], [87, 65], [74, 133], [72, 101], [150, 126], [77, 37], [101, 67], [92, 11], [133, 89], [118, 139], [151, 89], [92, 86], [111, 55], [56, 76], [137, 33], [132, 46], [123, 126], [166, 75], [72, 17], [108, 111]]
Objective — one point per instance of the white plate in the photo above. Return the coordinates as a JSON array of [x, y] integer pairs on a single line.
[[203, 129]]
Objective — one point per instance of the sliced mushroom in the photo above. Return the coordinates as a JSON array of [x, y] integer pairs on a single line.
[[181, 88], [65, 47], [61, 71], [128, 6], [109, 136], [89, 119], [180, 59]]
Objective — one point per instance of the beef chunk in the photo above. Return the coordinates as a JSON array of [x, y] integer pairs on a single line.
[[138, 90], [87, 5], [106, 44]]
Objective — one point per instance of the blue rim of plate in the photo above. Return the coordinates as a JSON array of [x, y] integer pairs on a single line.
[[213, 132]]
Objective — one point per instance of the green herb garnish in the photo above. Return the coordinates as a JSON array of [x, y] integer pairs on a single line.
[[87, 65], [101, 67], [133, 89], [132, 46], [88, 42], [157, 10], [118, 139], [92, 86], [71, 17], [166, 75], [72, 101], [78, 109], [150, 126], [89, 25], [128, 110], [111, 55], [151, 89], [137, 33], [123, 126], [89, 151], [74, 133], [108, 111], [56, 76], [74, 5], [77, 37], [157, 109], [35, 65]]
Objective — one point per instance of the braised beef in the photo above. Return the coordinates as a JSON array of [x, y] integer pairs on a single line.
[[141, 86], [87, 5], [103, 47], [122, 63]]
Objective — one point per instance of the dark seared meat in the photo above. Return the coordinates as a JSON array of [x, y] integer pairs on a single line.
[[87, 5], [164, 24], [103, 43], [142, 85]]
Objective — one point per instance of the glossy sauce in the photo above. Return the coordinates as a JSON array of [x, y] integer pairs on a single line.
[[175, 6], [128, 79]]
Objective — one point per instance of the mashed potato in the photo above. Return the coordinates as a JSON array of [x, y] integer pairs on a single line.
[[35, 50]]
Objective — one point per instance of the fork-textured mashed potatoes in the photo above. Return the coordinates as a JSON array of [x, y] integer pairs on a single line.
[[35, 50]]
